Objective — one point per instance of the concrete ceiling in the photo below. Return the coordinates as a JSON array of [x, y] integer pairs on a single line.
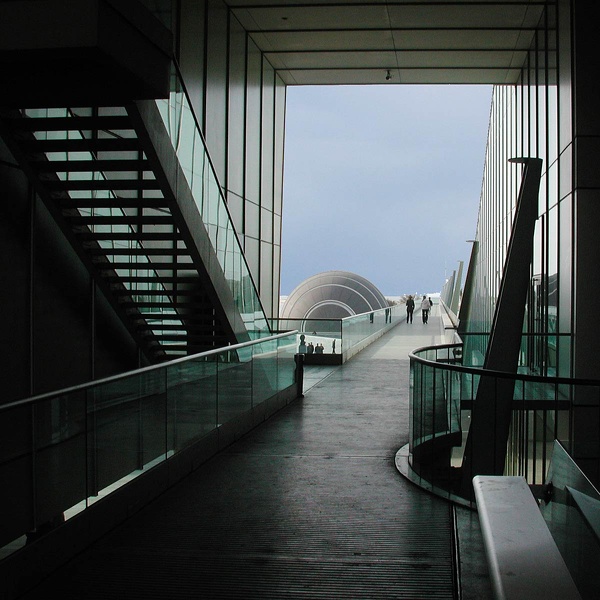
[[420, 42]]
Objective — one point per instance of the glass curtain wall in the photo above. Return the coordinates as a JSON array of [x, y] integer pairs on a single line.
[[241, 101], [530, 119], [524, 122]]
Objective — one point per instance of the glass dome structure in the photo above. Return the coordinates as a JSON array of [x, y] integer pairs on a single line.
[[332, 295]]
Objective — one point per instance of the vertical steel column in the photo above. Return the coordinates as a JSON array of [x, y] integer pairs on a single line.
[[485, 451], [31, 308], [299, 359]]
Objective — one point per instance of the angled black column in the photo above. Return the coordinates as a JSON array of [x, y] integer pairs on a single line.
[[485, 450], [465, 304]]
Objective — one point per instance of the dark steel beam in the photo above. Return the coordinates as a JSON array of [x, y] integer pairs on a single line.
[[485, 450]]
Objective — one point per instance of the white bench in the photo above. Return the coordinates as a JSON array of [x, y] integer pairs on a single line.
[[523, 559]]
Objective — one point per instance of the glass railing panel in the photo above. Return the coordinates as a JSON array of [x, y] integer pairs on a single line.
[[453, 418], [286, 371], [16, 473], [60, 457], [127, 418], [235, 384], [571, 509], [191, 401], [415, 404], [264, 371], [357, 329]]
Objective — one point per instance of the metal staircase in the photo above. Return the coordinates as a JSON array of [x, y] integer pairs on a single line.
[[101, 175]]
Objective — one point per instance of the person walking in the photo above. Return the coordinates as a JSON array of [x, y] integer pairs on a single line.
[[410, 307], [425, 306]]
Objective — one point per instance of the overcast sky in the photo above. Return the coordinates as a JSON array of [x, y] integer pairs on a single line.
[[382, 181]]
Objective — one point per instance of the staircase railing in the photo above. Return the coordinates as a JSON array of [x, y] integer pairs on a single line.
[[189, 143]]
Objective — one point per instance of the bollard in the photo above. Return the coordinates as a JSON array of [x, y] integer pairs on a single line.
[[299, 358]]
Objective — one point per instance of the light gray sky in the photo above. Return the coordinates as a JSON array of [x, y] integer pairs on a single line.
[[382, 181]]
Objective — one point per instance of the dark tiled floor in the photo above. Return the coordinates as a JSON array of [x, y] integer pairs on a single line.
[[308, 505]]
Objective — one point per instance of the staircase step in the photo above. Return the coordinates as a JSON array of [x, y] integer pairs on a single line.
[[166, 322], [129, 236], [117, 202], [202, 315], [196, 339], [153, 266], [121, 220], [85, 166], [159, 326], [108, 123], [181, 349], [144, 279], [102, 184], [79, 145], [170, 293], [156, 304], [166, 252]]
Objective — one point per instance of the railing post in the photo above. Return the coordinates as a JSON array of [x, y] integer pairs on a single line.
[[299, 358]]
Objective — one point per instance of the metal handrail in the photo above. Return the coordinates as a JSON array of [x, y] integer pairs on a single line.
[[113, 378], [491, 373], [436, 455], [340, 319]]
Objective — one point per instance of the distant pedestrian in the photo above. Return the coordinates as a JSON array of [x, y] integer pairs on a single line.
[[410, 307], [310, 349], [425, 306]]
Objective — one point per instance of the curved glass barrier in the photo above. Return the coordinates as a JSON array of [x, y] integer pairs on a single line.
[[441, 398]]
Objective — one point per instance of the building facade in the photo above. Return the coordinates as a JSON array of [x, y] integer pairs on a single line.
[[547, 114], [235, 61]]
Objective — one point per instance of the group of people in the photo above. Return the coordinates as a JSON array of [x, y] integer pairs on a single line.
[[310, 348], [318, 349], [426, 304]]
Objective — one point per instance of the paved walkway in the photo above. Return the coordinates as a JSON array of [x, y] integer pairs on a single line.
[[308, 505]]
